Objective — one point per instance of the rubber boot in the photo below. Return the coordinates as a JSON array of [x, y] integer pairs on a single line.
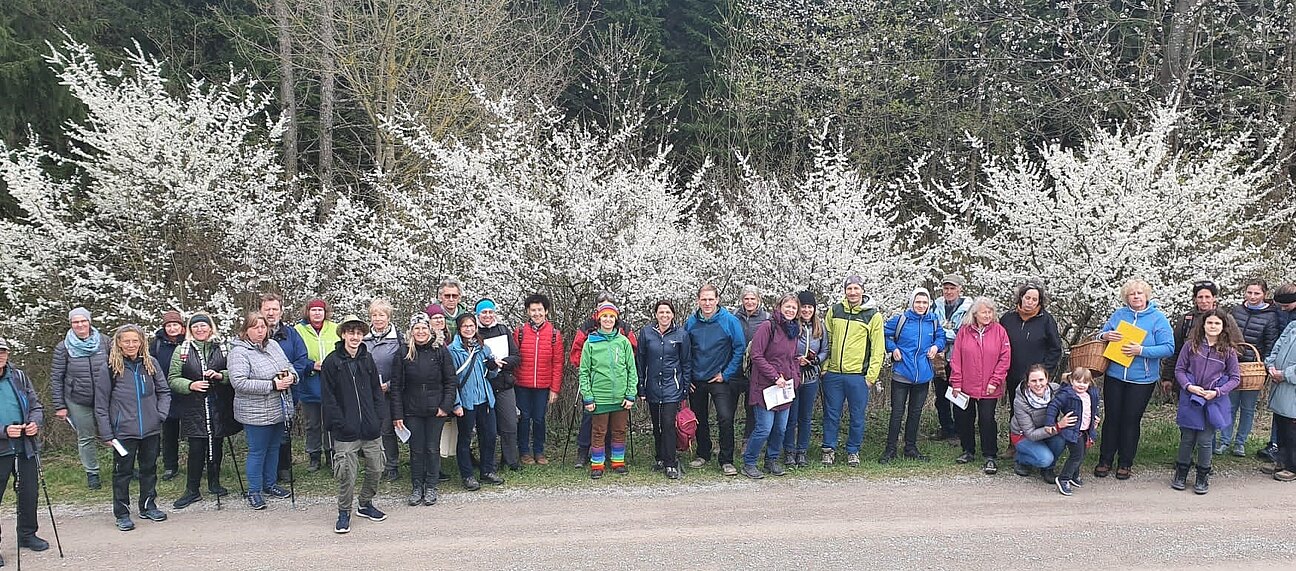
[[1180, 480], [1202, 484]]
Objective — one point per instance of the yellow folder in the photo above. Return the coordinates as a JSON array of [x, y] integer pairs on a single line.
[[1130, 335]]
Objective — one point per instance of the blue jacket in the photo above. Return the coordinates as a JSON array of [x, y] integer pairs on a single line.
[[1067, 400], [294, 349], [718, 345], [919, 334], [950, 323], [665, 364], [1282, 395], [473, 378], [1159, 344]]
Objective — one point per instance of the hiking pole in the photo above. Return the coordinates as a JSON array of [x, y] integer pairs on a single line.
[[237, 471], [40, 471], [571, 424], [17, 506], [292, 479], [210, 444]]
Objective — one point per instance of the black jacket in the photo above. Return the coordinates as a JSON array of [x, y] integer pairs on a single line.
[[504, 380], [195, 409], [351, 399], [427, 383], [1259, 327], [665, 364], [1033, 341]]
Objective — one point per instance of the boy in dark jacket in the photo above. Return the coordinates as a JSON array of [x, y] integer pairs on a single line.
[[354, 412], [1080, 398], [22, 415]]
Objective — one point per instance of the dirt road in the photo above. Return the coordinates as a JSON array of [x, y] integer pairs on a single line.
[[1002, 522]]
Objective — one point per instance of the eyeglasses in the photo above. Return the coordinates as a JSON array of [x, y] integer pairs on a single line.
[[450, 295], [1203, 284]]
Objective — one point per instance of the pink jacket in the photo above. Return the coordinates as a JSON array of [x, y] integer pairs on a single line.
[[980, 360]]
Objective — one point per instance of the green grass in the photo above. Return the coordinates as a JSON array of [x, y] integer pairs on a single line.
[[1158, 446]]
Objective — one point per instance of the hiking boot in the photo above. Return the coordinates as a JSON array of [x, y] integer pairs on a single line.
[[698, 463], [963, 458], [1284, 476], [802, 461], [429, 496], [582, 457], [728, 469], [471, 484], [492, 478], [527, 460], [1267, 453], [1180, 479], [1201, 485], [887, 456], [1063, 486], [773, 467], [916, 455], [343, 524], [93, 483], [188, 499], [991, 467], [1239, 450], [256, 500], [314, 467], [1048, 475], [368, 510], [169, 474], [391, 474], [750, 471], [829, 456], [285, 476], [33, 543], [1021, 469], [596, 473], [217, 490], [852, 459], [277, 491], [153, 514], [541, 460], [622, 470], [416, 496], [124, 523], [672, 472]]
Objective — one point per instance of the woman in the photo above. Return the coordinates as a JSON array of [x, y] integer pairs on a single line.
[[607, 389], [978, 369], [1126, 390], [386, 346], [80, 365], [1207, 371], [1033, 333], [163, 346], [200, 387], [320, 335], [1038, 443], [489, 327], [773, 363], [1282, 401], [1205, 296], [1258, 322], [913, 339], [423, 393], [539, 377], [262, 378], [812, 349], [664, 360], [129, 408], [474, 366]]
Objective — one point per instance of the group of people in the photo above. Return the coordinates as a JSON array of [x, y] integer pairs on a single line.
[[361, 386]]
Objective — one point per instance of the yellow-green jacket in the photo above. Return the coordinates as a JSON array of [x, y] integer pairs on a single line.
[[856, 343]]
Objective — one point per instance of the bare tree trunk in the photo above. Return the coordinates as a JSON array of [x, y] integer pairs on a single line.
[[1178, 46], [287, 93], [327, 80], [1288, 155]]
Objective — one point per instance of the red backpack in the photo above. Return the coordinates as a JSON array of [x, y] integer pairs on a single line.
[[685, 427]]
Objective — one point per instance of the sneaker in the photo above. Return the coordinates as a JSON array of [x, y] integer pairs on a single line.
[[314, 467], [1021, 469], [168, 474], [596, 473], [93, 483], [33, 543], [698, 462], [276, 491], [492, 478], [1076, 482], [429, 496], [1239, 450], [991, 467], [964, 458], [802, 460], [124, 523], [415, 497], [774, 468], [1284, 476], [582, 457], [750, 471], [527, 460], [217, 490], [256, 500], [852, 459], [514, 467], [188, 499], [391, 474], [285, 476], [541, 460], [471, 484], [443, 477], [673, 473], [1048, 475], [1221, 449], [658, 466], [343, 524], [1063, 486], [153, 514], [829, 456], [371, 512], [1267, 453], [729, 469]]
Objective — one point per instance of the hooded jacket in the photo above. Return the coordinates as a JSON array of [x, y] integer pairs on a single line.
[[386, 351], [74, 379], [425, 384], [133, 404], [474, 367], [718, 345], [1035, 340], [607, 372], [196, 408], [351, 399], [1159, 344], [318, 347], [1211, 369], [1028, 420], [950, 323], [980, 359], [919, 334], [540, 351], [591, 325], [1282, 395], [665, 364], [29, 406], [293, 348], [773, 355], [252, 369], [856, 339]]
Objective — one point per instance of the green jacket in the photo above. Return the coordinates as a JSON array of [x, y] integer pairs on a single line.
[[607, 373], [856, 342]]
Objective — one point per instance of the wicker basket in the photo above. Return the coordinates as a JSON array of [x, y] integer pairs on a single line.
[[1253, 373], [1090, 356]]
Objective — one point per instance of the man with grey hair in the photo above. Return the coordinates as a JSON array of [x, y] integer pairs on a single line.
[[750, 314], [449, 296]]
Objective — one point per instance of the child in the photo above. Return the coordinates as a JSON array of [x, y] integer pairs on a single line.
[[1080, 398], [1206, 371], [355, 411], [608, 388]]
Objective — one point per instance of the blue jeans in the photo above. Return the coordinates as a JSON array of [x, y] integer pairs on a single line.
[[855, 392], [1039, 453], [263, 455], [1244, 405], [768, 428], [797, 436], [481, 417], [534, 404]]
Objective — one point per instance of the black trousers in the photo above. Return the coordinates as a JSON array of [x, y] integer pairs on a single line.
[[28, 483], [1075, 457], [198, 462], [978, 417], [907, 400], [944, 409], [1124, 405], [143, 452], [664, 437], [1286, 456], [726, 404], [425, 449], [171, 444]]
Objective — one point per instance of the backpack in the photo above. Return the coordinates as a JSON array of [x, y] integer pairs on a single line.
[[746, 360], [685, 427]]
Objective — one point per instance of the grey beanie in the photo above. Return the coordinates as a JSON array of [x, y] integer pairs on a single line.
[[79, 311]]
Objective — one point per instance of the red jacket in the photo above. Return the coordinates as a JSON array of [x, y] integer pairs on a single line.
[[980, 360], [541, 366]]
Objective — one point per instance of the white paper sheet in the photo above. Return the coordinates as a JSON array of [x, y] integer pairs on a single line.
[[776, 396], [961, 401], [498, 346]]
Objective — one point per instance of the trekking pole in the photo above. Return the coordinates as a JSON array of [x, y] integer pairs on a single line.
[[40, 471], [237, 471], [18, 506], [292, 479], [210, 443], [571, 424]]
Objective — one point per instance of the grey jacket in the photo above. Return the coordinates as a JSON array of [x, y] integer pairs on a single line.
[[1027, 420], [252, 370], [132, 405], [1282, 396], [73, 379]]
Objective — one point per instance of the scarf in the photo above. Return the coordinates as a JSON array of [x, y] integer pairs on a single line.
[[78, 347], [790, 327], [1025, 315], [1037, 401]]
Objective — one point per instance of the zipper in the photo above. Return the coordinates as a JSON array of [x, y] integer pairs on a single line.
[[139, 402], [841, 357], [535, 368], [355, 387]]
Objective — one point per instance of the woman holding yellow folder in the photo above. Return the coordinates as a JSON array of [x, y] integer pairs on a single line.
[[1132, 374]]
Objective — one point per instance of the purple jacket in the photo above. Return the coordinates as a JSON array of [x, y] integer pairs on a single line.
[[1209, 369], [773, 353]]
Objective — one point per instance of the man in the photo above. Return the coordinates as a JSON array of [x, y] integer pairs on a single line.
[[950, 309], [449, 294], [718, 343], [22, 415], [856, 349], [750, 313], [583, 437], [355, 410], [320, 336], [295, 350], [80, 364], [1285, 299]]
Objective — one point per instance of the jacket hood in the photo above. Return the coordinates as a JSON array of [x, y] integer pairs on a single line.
[[866, 303], [599, 336], [720, 311], [161, 335]]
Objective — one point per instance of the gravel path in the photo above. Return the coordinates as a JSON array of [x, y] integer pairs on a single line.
[[979, 522]]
